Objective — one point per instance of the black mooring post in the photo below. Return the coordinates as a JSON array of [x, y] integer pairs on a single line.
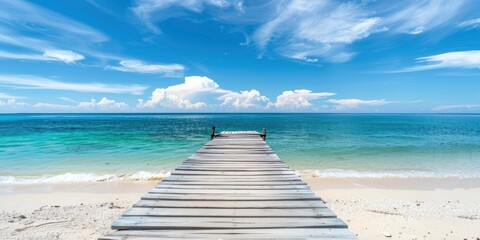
[[213, 133], [264, 134]]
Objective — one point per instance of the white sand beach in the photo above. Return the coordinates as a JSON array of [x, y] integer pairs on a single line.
[[373, 208]]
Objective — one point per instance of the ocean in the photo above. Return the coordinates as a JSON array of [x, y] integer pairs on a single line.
[[50, 148]]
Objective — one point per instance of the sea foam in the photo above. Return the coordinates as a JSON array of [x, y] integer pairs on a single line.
[[83, 177], [342, 173]]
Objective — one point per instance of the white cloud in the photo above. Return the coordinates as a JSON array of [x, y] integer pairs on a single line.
[[63, 55], [470, 24], [416, 17], [141, 67], [463, 59], [35, 82], [342, 104], [460, 107], [67, 99], [12, 102], [104, 103], [6, 95], [309, 29], [298, 99], [182, 95], [49, 55], [42, 105], [46, 30], [245, 99], [153, 11]]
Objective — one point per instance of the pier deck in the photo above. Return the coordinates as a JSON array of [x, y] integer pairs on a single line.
[[234, 187]]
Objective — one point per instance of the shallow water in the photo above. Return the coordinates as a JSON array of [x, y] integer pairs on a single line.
[[80, 147]]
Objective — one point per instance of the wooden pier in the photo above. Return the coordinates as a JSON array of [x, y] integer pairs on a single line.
[[234, 187]]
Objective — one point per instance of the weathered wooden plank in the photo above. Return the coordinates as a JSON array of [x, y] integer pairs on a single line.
[[230, 204], [185, 167], [133, 222], [205, 197], [234, 173], [289, 233], [233, 164], [231, 187], [237, 213], [256, 177], [214, 178], [167, 182], [232, 191]]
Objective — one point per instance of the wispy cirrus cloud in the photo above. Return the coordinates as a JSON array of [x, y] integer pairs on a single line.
[[169, 70], [147, 10], [31, 32], [312, 30], [461, 59], [65, 56], [307, 30], [35, 82], [416, 17], [342, 104], [470, 24]]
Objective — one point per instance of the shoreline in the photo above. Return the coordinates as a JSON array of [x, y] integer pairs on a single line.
[[405, 208]]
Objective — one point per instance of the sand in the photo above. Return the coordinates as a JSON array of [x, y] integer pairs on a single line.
[[373, 208]]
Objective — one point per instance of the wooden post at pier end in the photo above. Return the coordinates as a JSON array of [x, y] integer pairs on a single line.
[[264, 134], [212, 136]]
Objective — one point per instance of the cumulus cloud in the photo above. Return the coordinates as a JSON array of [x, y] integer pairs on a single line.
[[342, 104], [459, 108], [182, 95], [298, 99], [35, 82], [12, 102], [104, 103], [245, 99], [141, 67], [462, 59]]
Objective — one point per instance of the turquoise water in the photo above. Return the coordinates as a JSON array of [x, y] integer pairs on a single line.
[[77, 147]]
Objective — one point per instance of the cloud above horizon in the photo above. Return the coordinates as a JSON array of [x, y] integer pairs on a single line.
[[342, 104], [456, 108], [195, 91], [35, 82], [104, 104]]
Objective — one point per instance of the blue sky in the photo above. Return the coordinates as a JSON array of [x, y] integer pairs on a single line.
[[239, 56]]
